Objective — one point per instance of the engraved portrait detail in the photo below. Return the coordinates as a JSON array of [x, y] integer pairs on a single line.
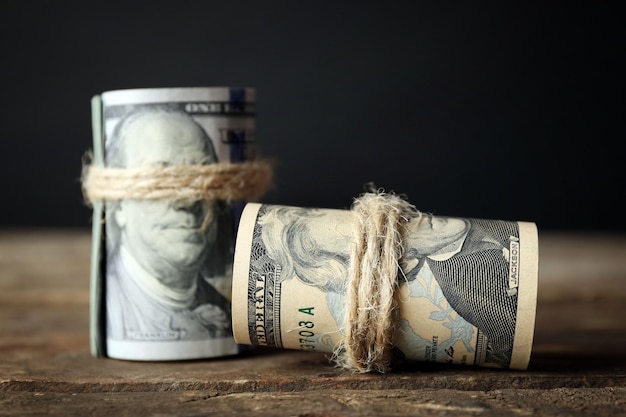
[[159, 259]]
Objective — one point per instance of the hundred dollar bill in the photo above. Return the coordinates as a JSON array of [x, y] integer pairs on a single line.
[[466, 295], [160, 287]]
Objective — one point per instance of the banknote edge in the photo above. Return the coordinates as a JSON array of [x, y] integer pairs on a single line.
[[527, 299], [241, 267], [168, 350], [153, 95], [97, 337]]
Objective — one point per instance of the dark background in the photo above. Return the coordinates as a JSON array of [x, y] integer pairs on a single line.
[[471, 109]]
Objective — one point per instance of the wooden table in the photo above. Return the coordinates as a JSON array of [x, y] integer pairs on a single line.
[[578, 365]]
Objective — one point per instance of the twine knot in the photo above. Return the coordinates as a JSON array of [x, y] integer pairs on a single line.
[[380, 220]]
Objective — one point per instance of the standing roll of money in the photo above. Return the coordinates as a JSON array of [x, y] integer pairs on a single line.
[[162, 263], [466, 288]]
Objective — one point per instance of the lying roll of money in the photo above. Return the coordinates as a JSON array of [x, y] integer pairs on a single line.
[[162, 262], [466, 288]]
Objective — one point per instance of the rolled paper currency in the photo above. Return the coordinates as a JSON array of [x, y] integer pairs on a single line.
[[162, 263], [465, 289]]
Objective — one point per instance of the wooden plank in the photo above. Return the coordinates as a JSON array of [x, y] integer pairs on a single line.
[[592, 402], [578, 364]]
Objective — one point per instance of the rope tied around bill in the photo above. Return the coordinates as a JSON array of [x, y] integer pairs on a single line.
[[183, 184], [380, 227]]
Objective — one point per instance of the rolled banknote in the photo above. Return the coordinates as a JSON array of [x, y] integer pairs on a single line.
[[162, 267], [466, 288]]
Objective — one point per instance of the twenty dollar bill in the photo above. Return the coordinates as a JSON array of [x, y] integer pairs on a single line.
[[466, 292]]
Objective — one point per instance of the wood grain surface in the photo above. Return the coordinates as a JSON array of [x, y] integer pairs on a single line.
[[578, 366]]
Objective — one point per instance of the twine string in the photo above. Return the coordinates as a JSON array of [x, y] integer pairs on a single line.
[[183, 184], [380, 220]]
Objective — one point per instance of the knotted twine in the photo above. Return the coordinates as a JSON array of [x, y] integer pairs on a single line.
[[380, 226], [184, 184]]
